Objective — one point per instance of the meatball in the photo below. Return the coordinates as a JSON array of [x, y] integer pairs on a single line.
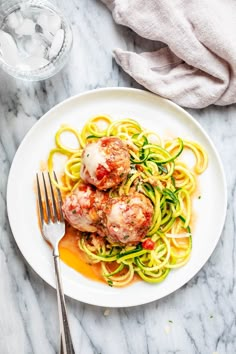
[[126, 219], [105, 163], [80, 209]]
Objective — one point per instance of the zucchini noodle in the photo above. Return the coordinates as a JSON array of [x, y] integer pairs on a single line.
[[158, 172]]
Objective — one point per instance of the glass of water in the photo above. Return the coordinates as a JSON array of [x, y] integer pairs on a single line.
[[35, 39]]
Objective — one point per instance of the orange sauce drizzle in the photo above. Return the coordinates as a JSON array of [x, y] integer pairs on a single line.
[[71, 255]]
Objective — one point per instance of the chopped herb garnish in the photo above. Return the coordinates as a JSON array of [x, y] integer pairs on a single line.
[[162, 169], [211, 316], [126, 237], [74, 211], [110, 283], [87, 155], [173, 181], [170, 321], [92, 137], [170, 201], [199, 197]]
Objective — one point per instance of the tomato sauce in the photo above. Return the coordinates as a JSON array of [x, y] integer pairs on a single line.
[[71, 255]]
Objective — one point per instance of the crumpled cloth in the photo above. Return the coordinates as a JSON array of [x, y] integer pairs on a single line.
[[198, 66]]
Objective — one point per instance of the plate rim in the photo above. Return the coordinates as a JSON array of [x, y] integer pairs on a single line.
[[176, 107]]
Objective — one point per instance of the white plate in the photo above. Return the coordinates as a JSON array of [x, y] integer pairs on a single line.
[[152, 112]]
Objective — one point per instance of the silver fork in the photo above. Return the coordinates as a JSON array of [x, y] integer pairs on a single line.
[[53, 229]]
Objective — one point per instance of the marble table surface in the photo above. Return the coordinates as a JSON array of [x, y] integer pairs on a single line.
[[202, 312]]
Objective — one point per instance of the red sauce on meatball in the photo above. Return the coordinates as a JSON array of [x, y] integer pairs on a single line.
[[105, 163]]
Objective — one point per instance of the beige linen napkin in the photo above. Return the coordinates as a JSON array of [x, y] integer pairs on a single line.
[[198, 66]]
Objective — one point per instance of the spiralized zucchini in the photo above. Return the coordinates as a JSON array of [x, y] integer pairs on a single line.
[[156, 171]]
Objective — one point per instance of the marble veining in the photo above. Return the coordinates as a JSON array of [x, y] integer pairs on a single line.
[[198, 318]]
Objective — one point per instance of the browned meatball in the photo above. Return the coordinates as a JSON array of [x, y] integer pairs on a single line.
[[80, 209], [105, 163], [126, 219]]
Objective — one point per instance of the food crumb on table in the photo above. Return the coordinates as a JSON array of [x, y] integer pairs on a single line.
[[167, 329], [106, 312]]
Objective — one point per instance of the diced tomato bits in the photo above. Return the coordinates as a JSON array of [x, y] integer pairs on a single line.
[[148, 244], [83, 188], [106, 141], [139, 168], [71, 207], [101, 172]]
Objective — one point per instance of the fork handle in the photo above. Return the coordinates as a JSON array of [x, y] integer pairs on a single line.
[[67, 344]]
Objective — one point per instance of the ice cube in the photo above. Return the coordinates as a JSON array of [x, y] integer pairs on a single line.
[[48, 36], [42, 20], [49, 22], [26, 9], [14, 20], [32, 63], [8, 48], [35, 46], [56, 44], [26, 28], [54, 23]]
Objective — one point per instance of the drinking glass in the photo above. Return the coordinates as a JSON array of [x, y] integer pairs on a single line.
[[35, 39]]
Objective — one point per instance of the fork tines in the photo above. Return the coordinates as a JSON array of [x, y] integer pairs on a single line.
[[49, 202]]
